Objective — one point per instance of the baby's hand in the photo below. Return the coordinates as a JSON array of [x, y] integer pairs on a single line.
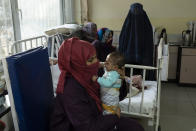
[[94, 78], [101, 64]]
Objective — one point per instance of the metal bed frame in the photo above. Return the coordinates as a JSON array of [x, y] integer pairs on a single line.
[[23, 45], [156, 115], [20, 46], [17, 47]]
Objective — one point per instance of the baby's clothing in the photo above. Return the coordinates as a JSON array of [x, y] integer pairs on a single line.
[[110, 84]]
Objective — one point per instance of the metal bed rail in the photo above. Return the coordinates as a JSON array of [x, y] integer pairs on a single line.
[[26, 44], [144, 68], [156, 114]]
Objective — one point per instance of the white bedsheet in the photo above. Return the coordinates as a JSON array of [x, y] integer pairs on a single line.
[[55, 76], [149, 95], [149, 100]]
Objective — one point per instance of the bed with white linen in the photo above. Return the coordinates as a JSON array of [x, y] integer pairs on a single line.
[[149, 100], [145, 104]]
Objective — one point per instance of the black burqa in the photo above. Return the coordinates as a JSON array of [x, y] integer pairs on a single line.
[[136, 38]]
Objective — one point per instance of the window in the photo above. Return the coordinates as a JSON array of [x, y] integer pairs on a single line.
[[36, 16], [30, 18], [6, 27]]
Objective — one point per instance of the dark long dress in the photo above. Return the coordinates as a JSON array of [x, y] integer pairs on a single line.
[[136, 38], [75, 110], [102, 49]]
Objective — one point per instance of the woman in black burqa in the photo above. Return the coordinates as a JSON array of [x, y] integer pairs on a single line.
[[136, 38]]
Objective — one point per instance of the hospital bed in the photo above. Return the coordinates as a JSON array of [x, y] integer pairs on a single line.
[[23, 45], [145, 104]]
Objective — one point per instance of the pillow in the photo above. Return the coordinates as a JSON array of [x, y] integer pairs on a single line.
[[63, 29]]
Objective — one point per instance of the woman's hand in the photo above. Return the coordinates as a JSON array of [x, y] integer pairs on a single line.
[[118, 111], [94, 78]]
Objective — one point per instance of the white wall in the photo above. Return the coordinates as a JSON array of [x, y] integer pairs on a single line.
[[172, 14]]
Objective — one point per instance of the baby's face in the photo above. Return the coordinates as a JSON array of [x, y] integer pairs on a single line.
[[109, 64]]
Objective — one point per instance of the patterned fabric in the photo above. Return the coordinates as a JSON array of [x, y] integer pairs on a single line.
[[91, 29], [105, 35], [110, 85]]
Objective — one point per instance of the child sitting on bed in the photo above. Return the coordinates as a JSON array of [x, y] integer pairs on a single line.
[[110, 82]]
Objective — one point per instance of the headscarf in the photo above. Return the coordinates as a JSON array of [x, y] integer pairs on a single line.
[[104, 34], [102, 49], [72, 58], [104, 44], [91, 29]]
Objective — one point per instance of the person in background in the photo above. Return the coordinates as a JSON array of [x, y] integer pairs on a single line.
[[89, 32], [104, 43], [110, 83], [103, 46], [105, 35], [101, 40], [77, 106], [136, 40]]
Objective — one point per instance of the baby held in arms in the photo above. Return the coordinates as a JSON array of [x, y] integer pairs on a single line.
[[110, 83]]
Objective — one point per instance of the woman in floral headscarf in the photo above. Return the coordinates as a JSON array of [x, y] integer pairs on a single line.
[[90, 32], [104, 43], [105, 35]]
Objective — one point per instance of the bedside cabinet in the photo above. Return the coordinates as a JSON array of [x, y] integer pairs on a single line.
[[187, 65]]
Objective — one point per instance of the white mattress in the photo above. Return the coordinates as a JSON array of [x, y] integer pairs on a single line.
[[55, 76], [149, 100]]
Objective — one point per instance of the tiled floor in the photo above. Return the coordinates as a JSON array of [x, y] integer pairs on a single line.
[[178, 108]]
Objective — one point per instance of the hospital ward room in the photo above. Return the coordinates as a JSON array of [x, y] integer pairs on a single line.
[[97, 65]]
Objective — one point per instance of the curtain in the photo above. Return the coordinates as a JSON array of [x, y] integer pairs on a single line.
[[68, 14], [6, 27], [84, 11]]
